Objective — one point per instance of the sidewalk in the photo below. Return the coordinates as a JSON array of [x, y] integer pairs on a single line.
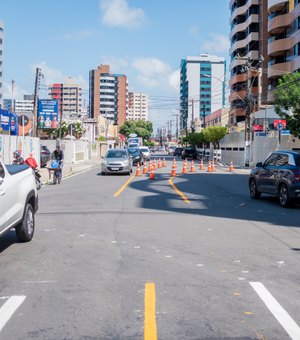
[[71, 169]]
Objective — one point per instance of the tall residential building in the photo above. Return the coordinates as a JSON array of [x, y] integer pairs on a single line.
[[1, 60], [138, 106], [108, 95], [248, 38], [284, 40], [69, 97], [202, 88]]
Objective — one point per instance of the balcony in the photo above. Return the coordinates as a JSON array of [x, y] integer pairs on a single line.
[[243, 9], [276, 5], [279, 47], [276, 24], [243, 43], [278, 70], [243, 26]]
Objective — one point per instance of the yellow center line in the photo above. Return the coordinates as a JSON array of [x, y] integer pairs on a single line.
[[150, 330], [178, 191], [124, 186]]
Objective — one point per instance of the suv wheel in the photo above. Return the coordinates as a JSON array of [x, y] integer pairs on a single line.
[[284, 197], [254, 193], [25, 229]]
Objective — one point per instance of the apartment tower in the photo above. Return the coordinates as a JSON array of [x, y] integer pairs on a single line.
[[284, 41], [1, 60], [202, 88], [69, 97], [138, 106], [249, 39], [108, 95]]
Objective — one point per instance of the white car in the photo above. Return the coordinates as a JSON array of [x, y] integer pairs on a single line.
[[146, 152], [18, 200]]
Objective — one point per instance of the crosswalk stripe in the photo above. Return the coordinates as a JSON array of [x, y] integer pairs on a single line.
[[8, 309]]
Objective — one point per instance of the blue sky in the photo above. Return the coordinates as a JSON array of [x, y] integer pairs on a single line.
[[144, 39]]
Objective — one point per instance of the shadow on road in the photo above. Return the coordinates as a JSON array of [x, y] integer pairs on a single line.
[[214, 194]]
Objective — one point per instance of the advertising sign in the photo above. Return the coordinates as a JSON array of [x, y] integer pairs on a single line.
[[8, 122], [280, 122], [258, 127], [47, 114]]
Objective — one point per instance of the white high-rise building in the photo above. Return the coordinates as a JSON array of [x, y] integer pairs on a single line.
[[202, 88], [1, 60], [138, 106]]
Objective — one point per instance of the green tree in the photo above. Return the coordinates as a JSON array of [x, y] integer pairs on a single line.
[[287, 98], [141, 128], [213, 134], [195, 138]]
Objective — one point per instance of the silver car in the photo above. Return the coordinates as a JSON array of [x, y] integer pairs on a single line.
[[116, 161], [146, 152]]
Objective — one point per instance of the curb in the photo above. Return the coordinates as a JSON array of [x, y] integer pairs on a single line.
[[71, 174]]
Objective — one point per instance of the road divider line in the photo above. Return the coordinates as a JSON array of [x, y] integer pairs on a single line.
[[8, 309], [178, 191], [279, 312], [150, 329], [118, 193]]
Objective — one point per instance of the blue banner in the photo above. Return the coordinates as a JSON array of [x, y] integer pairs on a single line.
[[9, 122], [47, 114]]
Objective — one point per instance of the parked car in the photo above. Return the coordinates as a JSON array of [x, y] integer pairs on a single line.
[[18, 200], [116, 161], [146, 152], [136, 155], [171, 150], [279, 175], [178, 151], [45, 155], [189, 152]]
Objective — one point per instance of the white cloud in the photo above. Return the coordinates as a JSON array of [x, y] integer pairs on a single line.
[[18, 91], [117, 13], [80, 35], [175, 80], [217, 44], [154, 73], [52, 75], [117, 65]]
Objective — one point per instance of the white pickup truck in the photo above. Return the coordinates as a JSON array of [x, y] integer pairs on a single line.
[[18, 200]]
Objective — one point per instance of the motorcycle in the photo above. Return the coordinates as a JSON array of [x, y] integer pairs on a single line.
[[30, 161]]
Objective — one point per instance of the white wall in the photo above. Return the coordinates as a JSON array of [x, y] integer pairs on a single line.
[[28, 145]]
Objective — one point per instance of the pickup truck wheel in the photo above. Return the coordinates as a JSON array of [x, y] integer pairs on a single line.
[[25, 229]]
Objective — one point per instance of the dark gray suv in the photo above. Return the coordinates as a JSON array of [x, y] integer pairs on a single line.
[[279, 175]]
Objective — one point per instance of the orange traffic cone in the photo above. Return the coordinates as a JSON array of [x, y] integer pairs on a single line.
[[213, 168], [231, 167], [159, 163], [192, 168], [152, 175], [209, 169], [185, 170], [201, 167], [145, 170], [164, 164], [173, 172], [154, 165], [138, 170]]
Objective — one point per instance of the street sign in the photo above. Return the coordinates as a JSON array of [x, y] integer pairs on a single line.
[[280, 127], [133, 135], [261, 134], [285, 132], [23, 120], [279, 121]]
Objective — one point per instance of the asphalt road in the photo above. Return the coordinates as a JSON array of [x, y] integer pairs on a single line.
[[200, 260]]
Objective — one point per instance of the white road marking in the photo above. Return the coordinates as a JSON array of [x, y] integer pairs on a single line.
[[279, 312], [8, 309]]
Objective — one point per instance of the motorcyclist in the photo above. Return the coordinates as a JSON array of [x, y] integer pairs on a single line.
[[58, 155], [17, 157]]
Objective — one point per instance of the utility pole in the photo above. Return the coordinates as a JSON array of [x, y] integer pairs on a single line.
[[193, 122], [251, 101], [35, 103]]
